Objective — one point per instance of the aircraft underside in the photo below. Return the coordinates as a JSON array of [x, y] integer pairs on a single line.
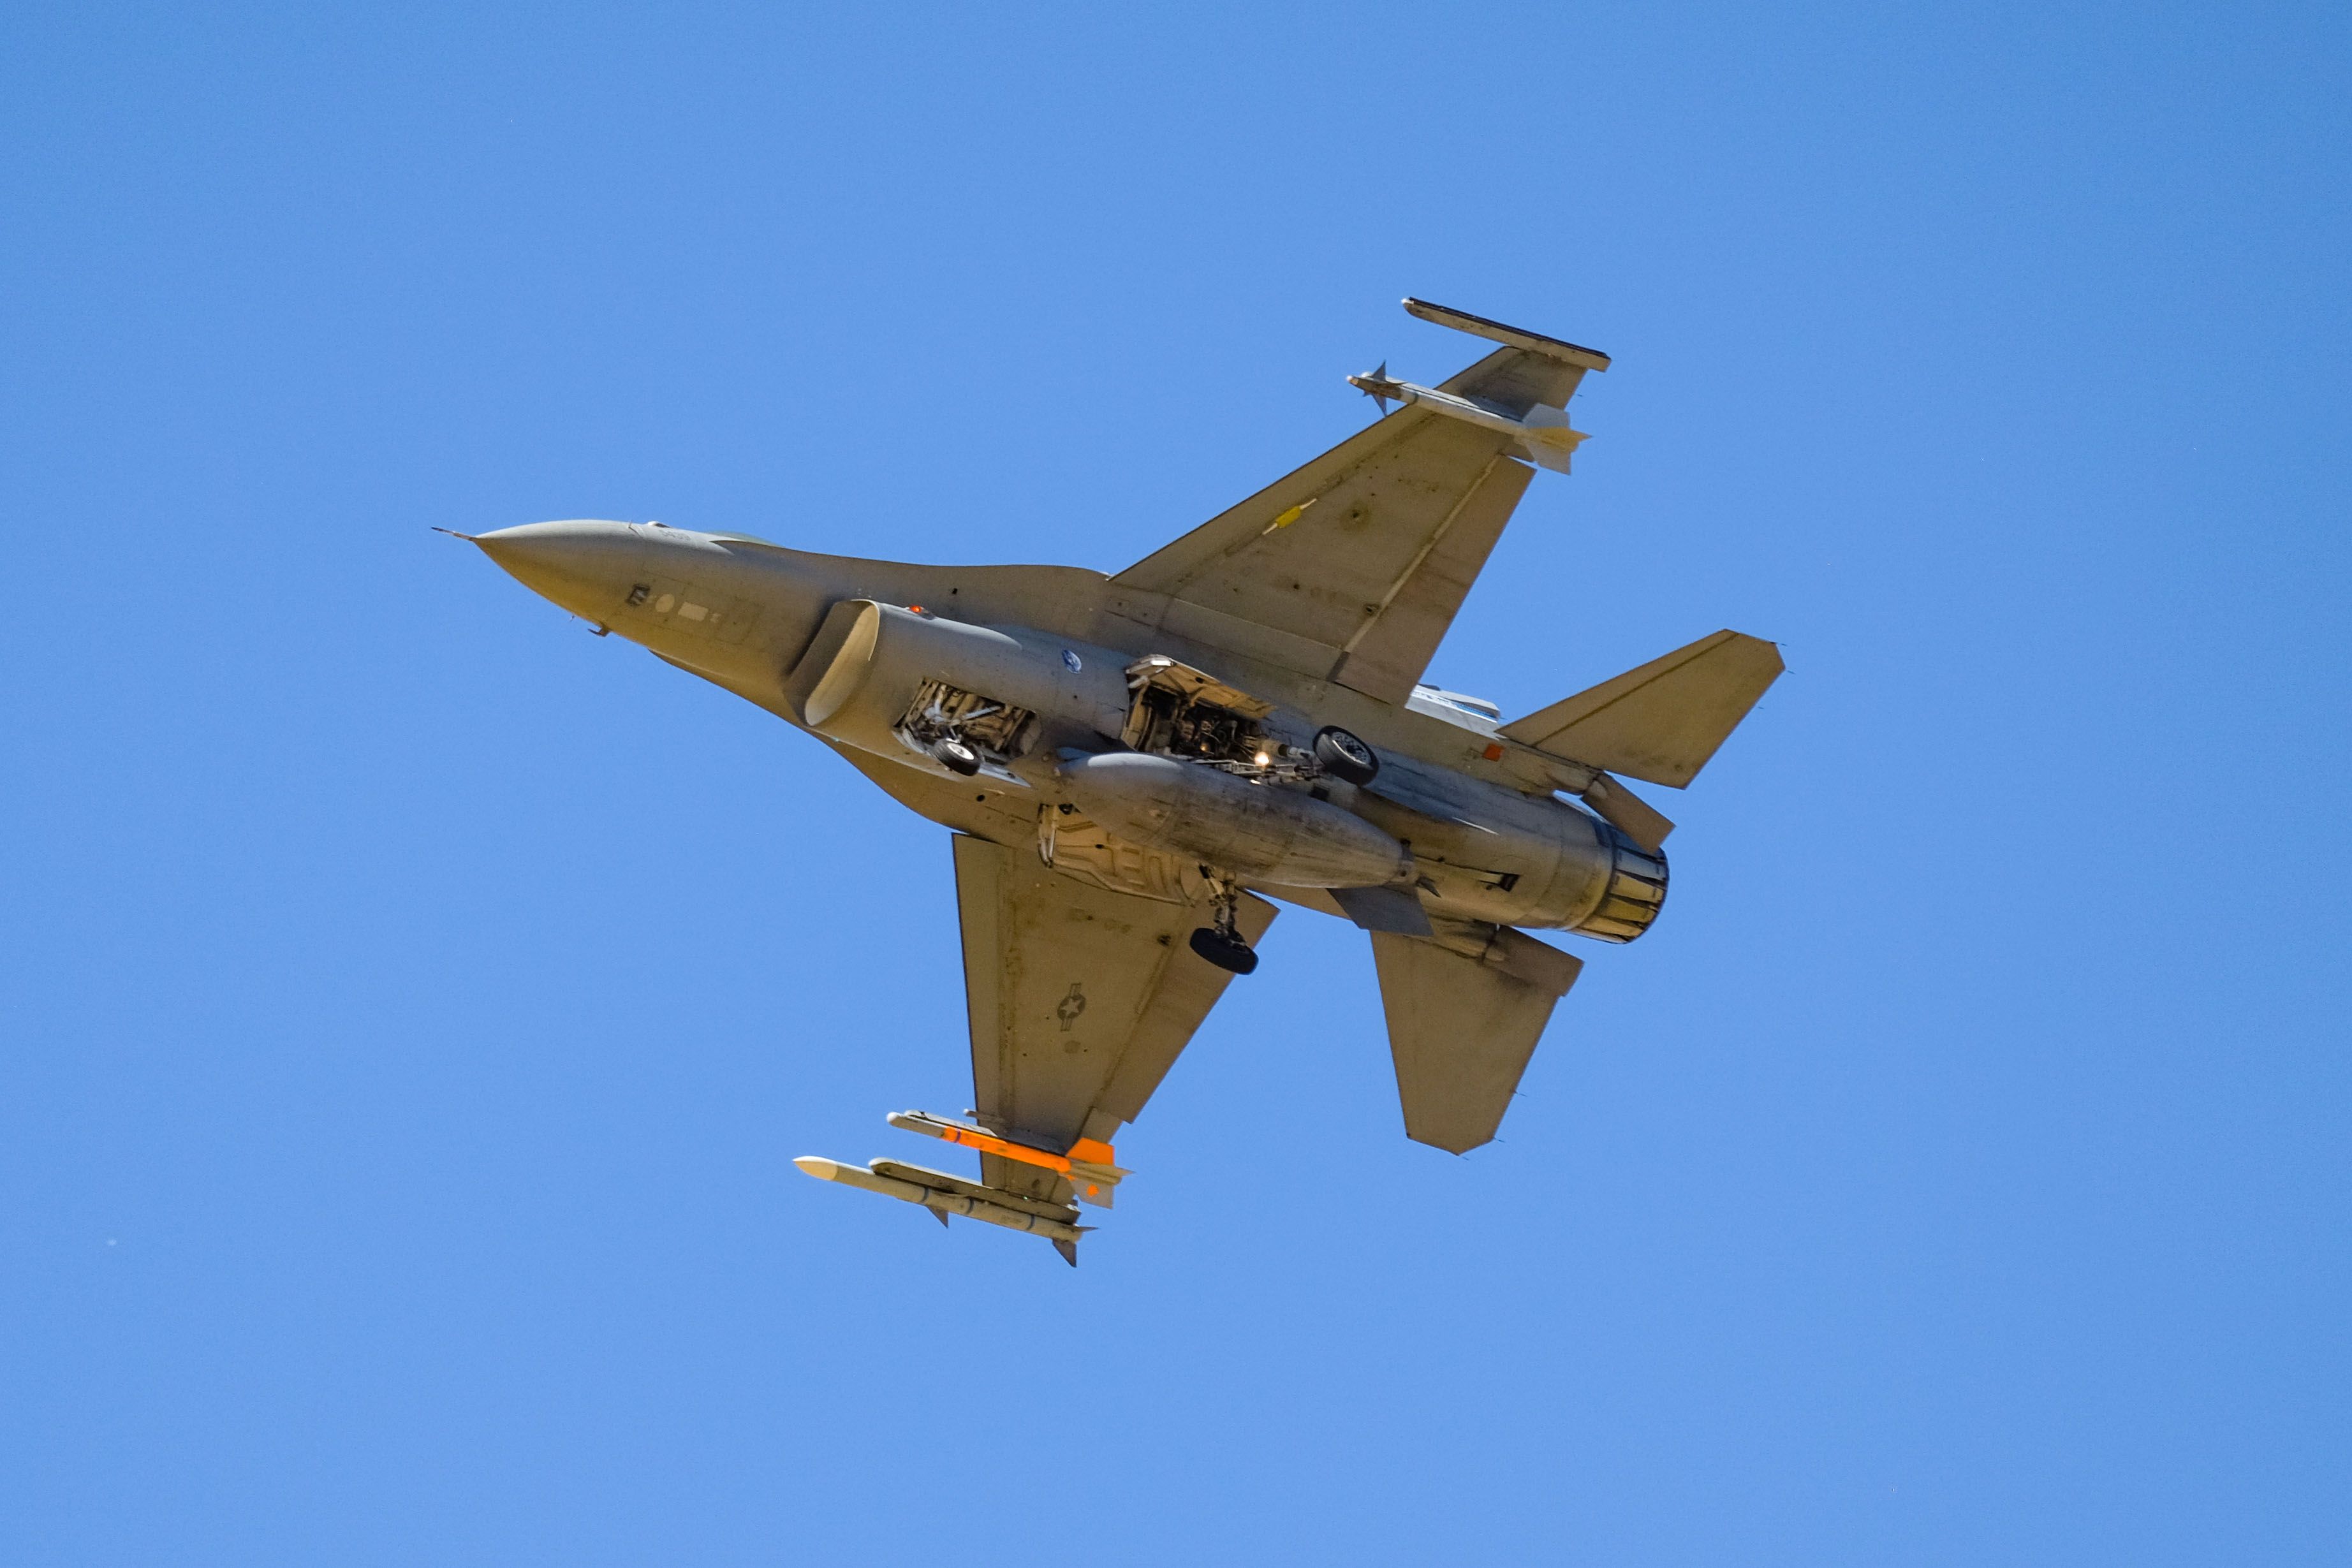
[[1134, 766]]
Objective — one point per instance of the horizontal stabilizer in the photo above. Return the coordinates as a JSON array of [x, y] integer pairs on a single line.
[[1390, 909], [1663, 721], [1462, 1028]]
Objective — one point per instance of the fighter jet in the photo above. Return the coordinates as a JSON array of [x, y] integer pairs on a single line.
[[1136, 768]]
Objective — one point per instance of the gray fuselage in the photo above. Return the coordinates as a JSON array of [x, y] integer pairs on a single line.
[[1480, 844]]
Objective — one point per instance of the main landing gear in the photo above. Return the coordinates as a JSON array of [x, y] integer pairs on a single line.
[[1221, 943], [1344, 757]]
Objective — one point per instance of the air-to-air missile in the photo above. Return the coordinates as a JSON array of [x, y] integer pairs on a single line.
[[944, 1195], [1542, 431], [1088, 1165], [1087, 1168]]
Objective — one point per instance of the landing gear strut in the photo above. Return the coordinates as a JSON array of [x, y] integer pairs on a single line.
[[1221, 943]]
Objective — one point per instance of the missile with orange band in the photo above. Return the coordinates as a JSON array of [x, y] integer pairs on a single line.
[[1088, 1164]]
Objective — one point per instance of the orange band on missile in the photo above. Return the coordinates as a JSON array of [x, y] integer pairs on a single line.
[[1089, 1158], [1086, 1149]]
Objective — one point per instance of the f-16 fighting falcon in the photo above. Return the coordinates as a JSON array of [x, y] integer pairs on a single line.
[[1134, 765]]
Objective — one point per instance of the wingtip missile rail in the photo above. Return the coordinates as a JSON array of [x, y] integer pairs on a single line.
[[1558, 349]]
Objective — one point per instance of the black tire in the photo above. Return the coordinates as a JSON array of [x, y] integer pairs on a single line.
[[957, 758], [1344, 757], [1236, 957]]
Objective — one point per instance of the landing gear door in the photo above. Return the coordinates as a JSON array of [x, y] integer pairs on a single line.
[[1164, 690]]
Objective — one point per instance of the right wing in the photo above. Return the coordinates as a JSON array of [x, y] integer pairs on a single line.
[[1080, 996], [1351, 568]]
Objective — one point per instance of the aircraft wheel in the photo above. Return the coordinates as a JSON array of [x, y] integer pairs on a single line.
[[1344, 757], [1225, 951], [957, 758]]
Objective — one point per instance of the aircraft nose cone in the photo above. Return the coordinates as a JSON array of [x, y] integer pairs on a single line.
[[577, 564], [535, 547]]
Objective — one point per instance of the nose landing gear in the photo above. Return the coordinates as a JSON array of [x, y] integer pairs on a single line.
[[1228, 953]]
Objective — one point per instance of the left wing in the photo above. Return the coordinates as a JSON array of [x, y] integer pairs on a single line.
[[1080, 998], [1351, 568]]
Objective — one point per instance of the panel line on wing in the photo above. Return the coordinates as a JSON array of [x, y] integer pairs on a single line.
[[1420, 556]]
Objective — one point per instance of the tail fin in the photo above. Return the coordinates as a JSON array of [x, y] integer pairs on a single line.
[[1663, 721]]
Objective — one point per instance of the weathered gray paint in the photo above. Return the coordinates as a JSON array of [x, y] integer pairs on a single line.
[[1080, 878]]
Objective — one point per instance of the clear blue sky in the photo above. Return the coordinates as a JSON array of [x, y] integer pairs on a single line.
[[412, 1003]]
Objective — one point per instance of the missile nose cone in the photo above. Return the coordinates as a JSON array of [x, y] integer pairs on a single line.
[[821, 1168]]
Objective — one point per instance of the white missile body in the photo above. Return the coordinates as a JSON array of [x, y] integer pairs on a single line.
[[943, 1195], [1543, 432]]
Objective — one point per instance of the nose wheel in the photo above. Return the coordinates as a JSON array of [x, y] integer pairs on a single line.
[[1228, 953], [1220, 942]]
